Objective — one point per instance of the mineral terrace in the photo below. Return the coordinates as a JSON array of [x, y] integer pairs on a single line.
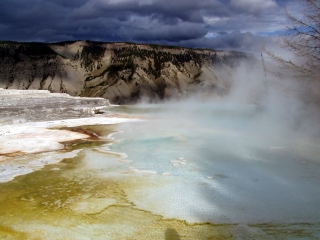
[[36, 122]]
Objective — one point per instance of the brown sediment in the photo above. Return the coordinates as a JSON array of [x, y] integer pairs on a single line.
[[116, 154], [9, 233], [118, 115], [92, 135], [95, 133], [12, 154]]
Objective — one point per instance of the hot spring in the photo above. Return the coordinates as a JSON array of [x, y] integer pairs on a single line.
[[195, 170], [222, 163]]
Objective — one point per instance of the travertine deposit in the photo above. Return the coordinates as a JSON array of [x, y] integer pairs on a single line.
[[34, 127], [18, 106]]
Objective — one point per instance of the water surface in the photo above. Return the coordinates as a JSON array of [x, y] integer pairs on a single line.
[[186, 172]]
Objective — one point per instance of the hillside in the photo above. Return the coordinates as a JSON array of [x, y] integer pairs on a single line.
[[120, 72]]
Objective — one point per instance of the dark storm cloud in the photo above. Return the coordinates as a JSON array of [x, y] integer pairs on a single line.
[[188, 10], [69, 3], [213, 23], [172, 33]]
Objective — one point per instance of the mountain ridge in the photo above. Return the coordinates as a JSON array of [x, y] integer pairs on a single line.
[[120, 72]]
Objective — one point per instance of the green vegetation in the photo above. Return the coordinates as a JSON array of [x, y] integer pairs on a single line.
[[89, 54], [160, 55]]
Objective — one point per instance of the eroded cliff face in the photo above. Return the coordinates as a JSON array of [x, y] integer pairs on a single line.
[[120, 72]]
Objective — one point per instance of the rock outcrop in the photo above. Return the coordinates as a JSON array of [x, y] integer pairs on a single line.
[[120, 72], [18, 106]]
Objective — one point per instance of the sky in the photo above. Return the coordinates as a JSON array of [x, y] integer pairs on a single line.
[[243, 25]]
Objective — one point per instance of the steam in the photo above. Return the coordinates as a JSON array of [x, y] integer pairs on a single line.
[[278, 104], [284, 104], [287, 103], [247, 154]]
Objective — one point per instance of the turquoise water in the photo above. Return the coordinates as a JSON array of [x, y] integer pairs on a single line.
[[222, 163], [200, 171]]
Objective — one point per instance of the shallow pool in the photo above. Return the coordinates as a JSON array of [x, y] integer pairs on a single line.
[[186, 172]]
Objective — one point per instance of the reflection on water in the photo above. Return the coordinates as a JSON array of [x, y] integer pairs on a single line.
[[182, 177]]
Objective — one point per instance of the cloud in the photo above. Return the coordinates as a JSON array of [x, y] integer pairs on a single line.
[[188, 10], [69, 3], [236, 40], [254, 7], [167, 21], [145, 30]]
